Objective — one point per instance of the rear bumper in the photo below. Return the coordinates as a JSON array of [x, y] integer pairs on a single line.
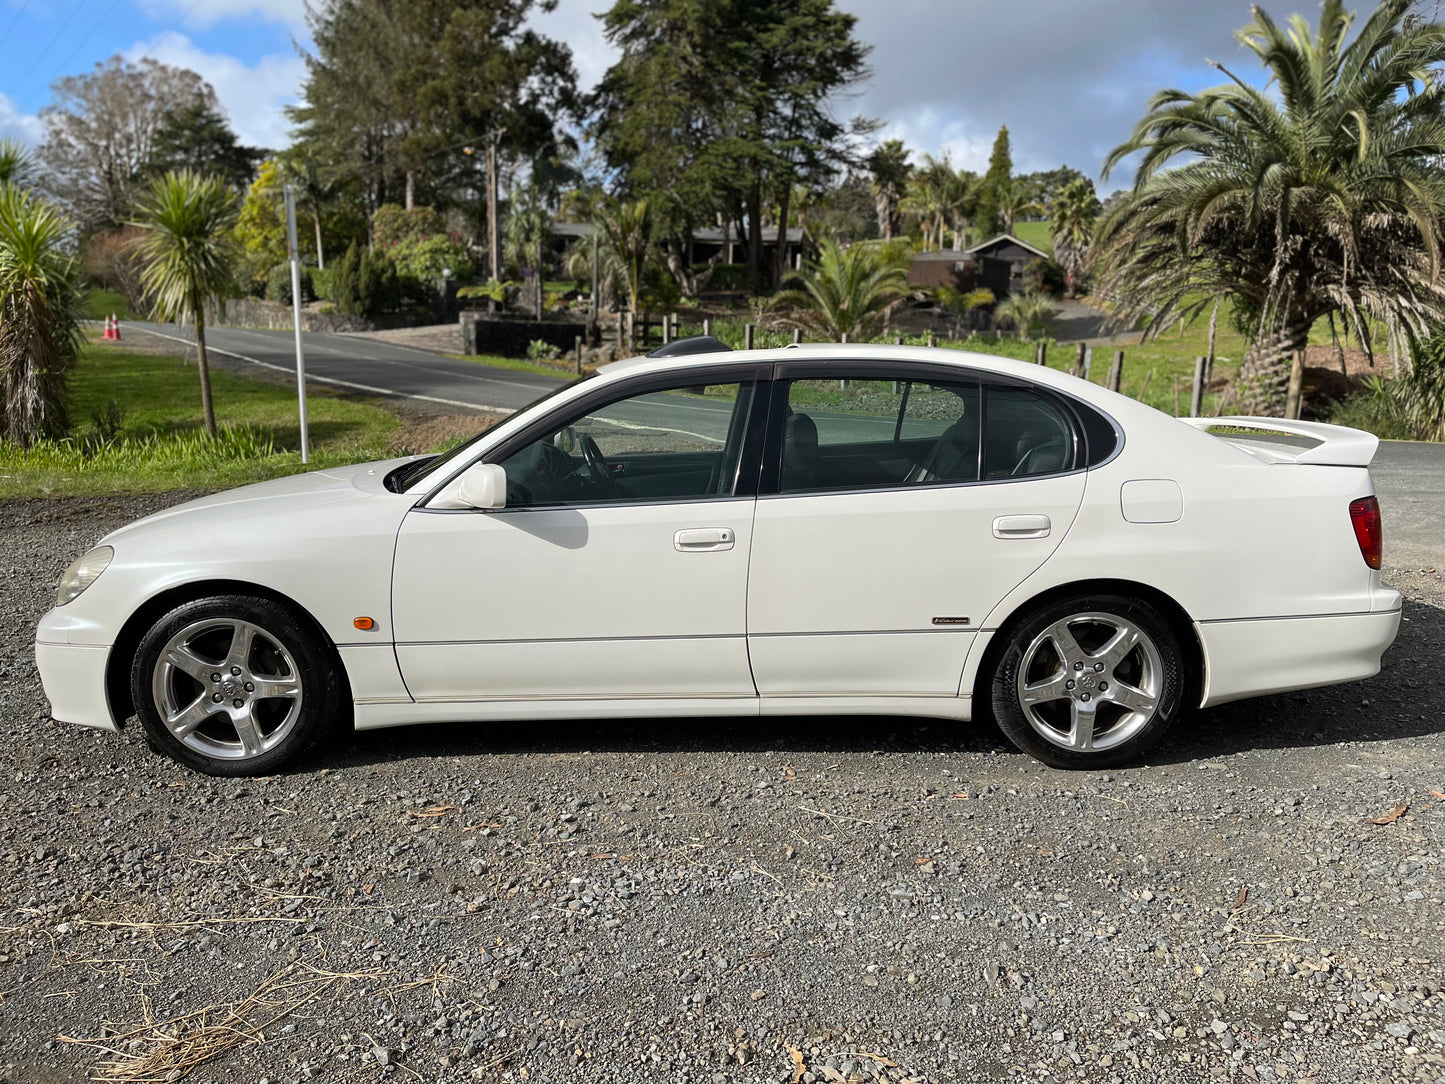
[[1277, 655], [74, 680]]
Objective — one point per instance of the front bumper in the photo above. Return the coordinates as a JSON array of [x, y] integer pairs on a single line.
[[1279, 655], [74, 680]]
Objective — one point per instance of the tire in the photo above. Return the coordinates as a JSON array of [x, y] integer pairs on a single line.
[[1088, 682], [235, 685]]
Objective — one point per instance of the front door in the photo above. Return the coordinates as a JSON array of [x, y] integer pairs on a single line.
[[904, 512], [618, 569]]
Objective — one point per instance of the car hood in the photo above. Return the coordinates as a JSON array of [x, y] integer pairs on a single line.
[[297, 492]]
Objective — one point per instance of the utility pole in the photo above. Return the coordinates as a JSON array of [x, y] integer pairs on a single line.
[[295, 253], [494, 240]]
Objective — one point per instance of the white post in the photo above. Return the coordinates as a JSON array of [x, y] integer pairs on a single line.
[[296, 318]]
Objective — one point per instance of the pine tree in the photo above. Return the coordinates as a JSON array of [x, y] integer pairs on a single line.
[[1000, 172], [343, 283]]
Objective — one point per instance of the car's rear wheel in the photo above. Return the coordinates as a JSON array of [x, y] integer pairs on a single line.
[[234, 685], [1089, 682]]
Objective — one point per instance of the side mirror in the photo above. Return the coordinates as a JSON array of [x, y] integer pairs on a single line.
[[483, 485]]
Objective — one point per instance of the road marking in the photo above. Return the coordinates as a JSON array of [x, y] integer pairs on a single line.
[[504, 411]]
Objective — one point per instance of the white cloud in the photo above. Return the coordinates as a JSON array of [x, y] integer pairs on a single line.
[[573, 23], [207, 13], [251, 96], [25, 127]]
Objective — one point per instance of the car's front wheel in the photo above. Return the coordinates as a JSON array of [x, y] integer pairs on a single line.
[[1089, 682], [234, 685]]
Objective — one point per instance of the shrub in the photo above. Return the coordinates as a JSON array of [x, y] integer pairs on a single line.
[[542, 350], [1043, 277], [393, 224], [322, 282], [365, 284], [278, 284]]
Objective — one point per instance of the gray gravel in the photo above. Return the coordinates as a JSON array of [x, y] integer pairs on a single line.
[[696, 901]]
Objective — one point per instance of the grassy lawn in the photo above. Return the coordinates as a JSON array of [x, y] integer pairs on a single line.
[[1037, 234], [152, 440], [100, 303]]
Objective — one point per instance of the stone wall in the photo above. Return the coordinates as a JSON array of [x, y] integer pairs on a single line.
[[247, 312]]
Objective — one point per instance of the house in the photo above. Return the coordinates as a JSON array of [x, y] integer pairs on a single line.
[[708, 241], [997, 264]]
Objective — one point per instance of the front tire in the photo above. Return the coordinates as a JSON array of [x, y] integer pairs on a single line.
[[1089, 682], [234, 685]]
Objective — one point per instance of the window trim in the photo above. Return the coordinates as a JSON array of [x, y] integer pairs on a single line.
[[769, 486], [744, 484]]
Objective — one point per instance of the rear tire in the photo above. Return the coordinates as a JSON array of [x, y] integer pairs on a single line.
[[1089, 682], [234, 685]]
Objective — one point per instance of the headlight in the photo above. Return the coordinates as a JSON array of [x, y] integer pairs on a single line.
[[85, 571]]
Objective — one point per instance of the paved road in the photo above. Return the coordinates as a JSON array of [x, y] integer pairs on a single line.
[[1410, 480], [380, 368]]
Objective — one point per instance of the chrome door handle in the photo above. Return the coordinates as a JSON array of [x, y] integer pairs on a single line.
[[703, 539], [1021, 527]]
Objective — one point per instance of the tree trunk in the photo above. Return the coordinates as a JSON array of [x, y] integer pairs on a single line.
[[208, 410], [494, 239], [1262, 385], [780, 254], [755, 238], [320, 251], [410, 190], [1213, 324]]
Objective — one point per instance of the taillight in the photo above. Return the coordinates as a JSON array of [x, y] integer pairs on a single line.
[[1365, 515]]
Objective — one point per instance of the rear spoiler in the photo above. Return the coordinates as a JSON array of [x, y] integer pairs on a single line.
[[1335, 445]]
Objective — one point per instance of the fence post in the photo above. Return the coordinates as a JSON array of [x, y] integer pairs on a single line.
[[1088, 360], [707, 325], [845, 338], [1116, 371], [1196, 397], [797, 335], [898, 340], [578, 348], [1040, 352], [1294, 397], [747, 336], [1079, 360], [932, 340], [666, 329]]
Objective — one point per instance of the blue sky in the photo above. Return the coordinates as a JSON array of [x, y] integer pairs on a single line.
[[1068, 77]]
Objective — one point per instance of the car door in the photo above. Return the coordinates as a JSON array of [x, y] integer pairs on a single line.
[[617, 569], [897, 508]]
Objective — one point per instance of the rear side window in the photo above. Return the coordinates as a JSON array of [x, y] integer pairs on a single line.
[[1025, 434]]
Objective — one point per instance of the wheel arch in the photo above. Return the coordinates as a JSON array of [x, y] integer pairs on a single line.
[[127, 641], [1180, 623]]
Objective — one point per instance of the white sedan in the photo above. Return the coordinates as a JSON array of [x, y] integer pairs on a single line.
[[813, 530]]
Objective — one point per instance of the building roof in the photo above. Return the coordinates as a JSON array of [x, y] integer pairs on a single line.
[[1006, 238], [946, 255], [704, 233]]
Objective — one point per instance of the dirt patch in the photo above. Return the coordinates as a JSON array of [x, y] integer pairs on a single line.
[[426, 432]]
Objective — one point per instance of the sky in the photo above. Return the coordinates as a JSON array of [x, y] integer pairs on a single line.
[[1068, 77]]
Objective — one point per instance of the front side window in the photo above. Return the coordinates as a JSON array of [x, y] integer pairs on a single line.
[[850, 434], [679, 444]]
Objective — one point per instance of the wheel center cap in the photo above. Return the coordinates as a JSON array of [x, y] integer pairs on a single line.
[[1087, 681], [230, 688]]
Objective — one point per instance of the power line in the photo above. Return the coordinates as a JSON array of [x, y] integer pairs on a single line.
[[94, 26], [46, 51], [19, 11]]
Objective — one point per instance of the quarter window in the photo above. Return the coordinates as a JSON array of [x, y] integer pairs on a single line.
[[1026, 434], [683, 443]]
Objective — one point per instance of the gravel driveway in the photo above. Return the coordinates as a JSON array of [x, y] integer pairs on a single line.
[[777, 900]]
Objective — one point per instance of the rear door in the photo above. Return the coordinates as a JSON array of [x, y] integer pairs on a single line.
[[898, 506]]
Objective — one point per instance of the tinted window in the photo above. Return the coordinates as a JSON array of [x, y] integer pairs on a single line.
[[1026, 434], [663, 445], [850, 434]]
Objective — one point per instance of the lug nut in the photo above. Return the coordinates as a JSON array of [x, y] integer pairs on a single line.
[[250, 687], [1084, 697], [1103, 686], [235, 670], [215, 677], [216, 697], [238, 702], [1068, 684], [1098, 668], [1078, 666]]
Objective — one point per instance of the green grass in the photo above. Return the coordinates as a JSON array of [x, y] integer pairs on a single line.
[[160, 445], [565, 366], [100, 303], [1038, 234]]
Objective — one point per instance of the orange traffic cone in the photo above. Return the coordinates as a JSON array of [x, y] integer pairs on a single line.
[[109, 332], [115, 326]]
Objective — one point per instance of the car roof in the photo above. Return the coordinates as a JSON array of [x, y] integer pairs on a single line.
[[870, 352]]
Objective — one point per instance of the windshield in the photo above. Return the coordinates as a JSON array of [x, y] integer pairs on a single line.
[[404, 476]]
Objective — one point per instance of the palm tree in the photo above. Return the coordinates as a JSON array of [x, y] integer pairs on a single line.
[[17, 165], [845, 292], [187, 256], [963, 192], [1072, 222], [627, 233], [1025, 312], [1322, 196], [1013, 201], [890, 169], [39, 310]]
